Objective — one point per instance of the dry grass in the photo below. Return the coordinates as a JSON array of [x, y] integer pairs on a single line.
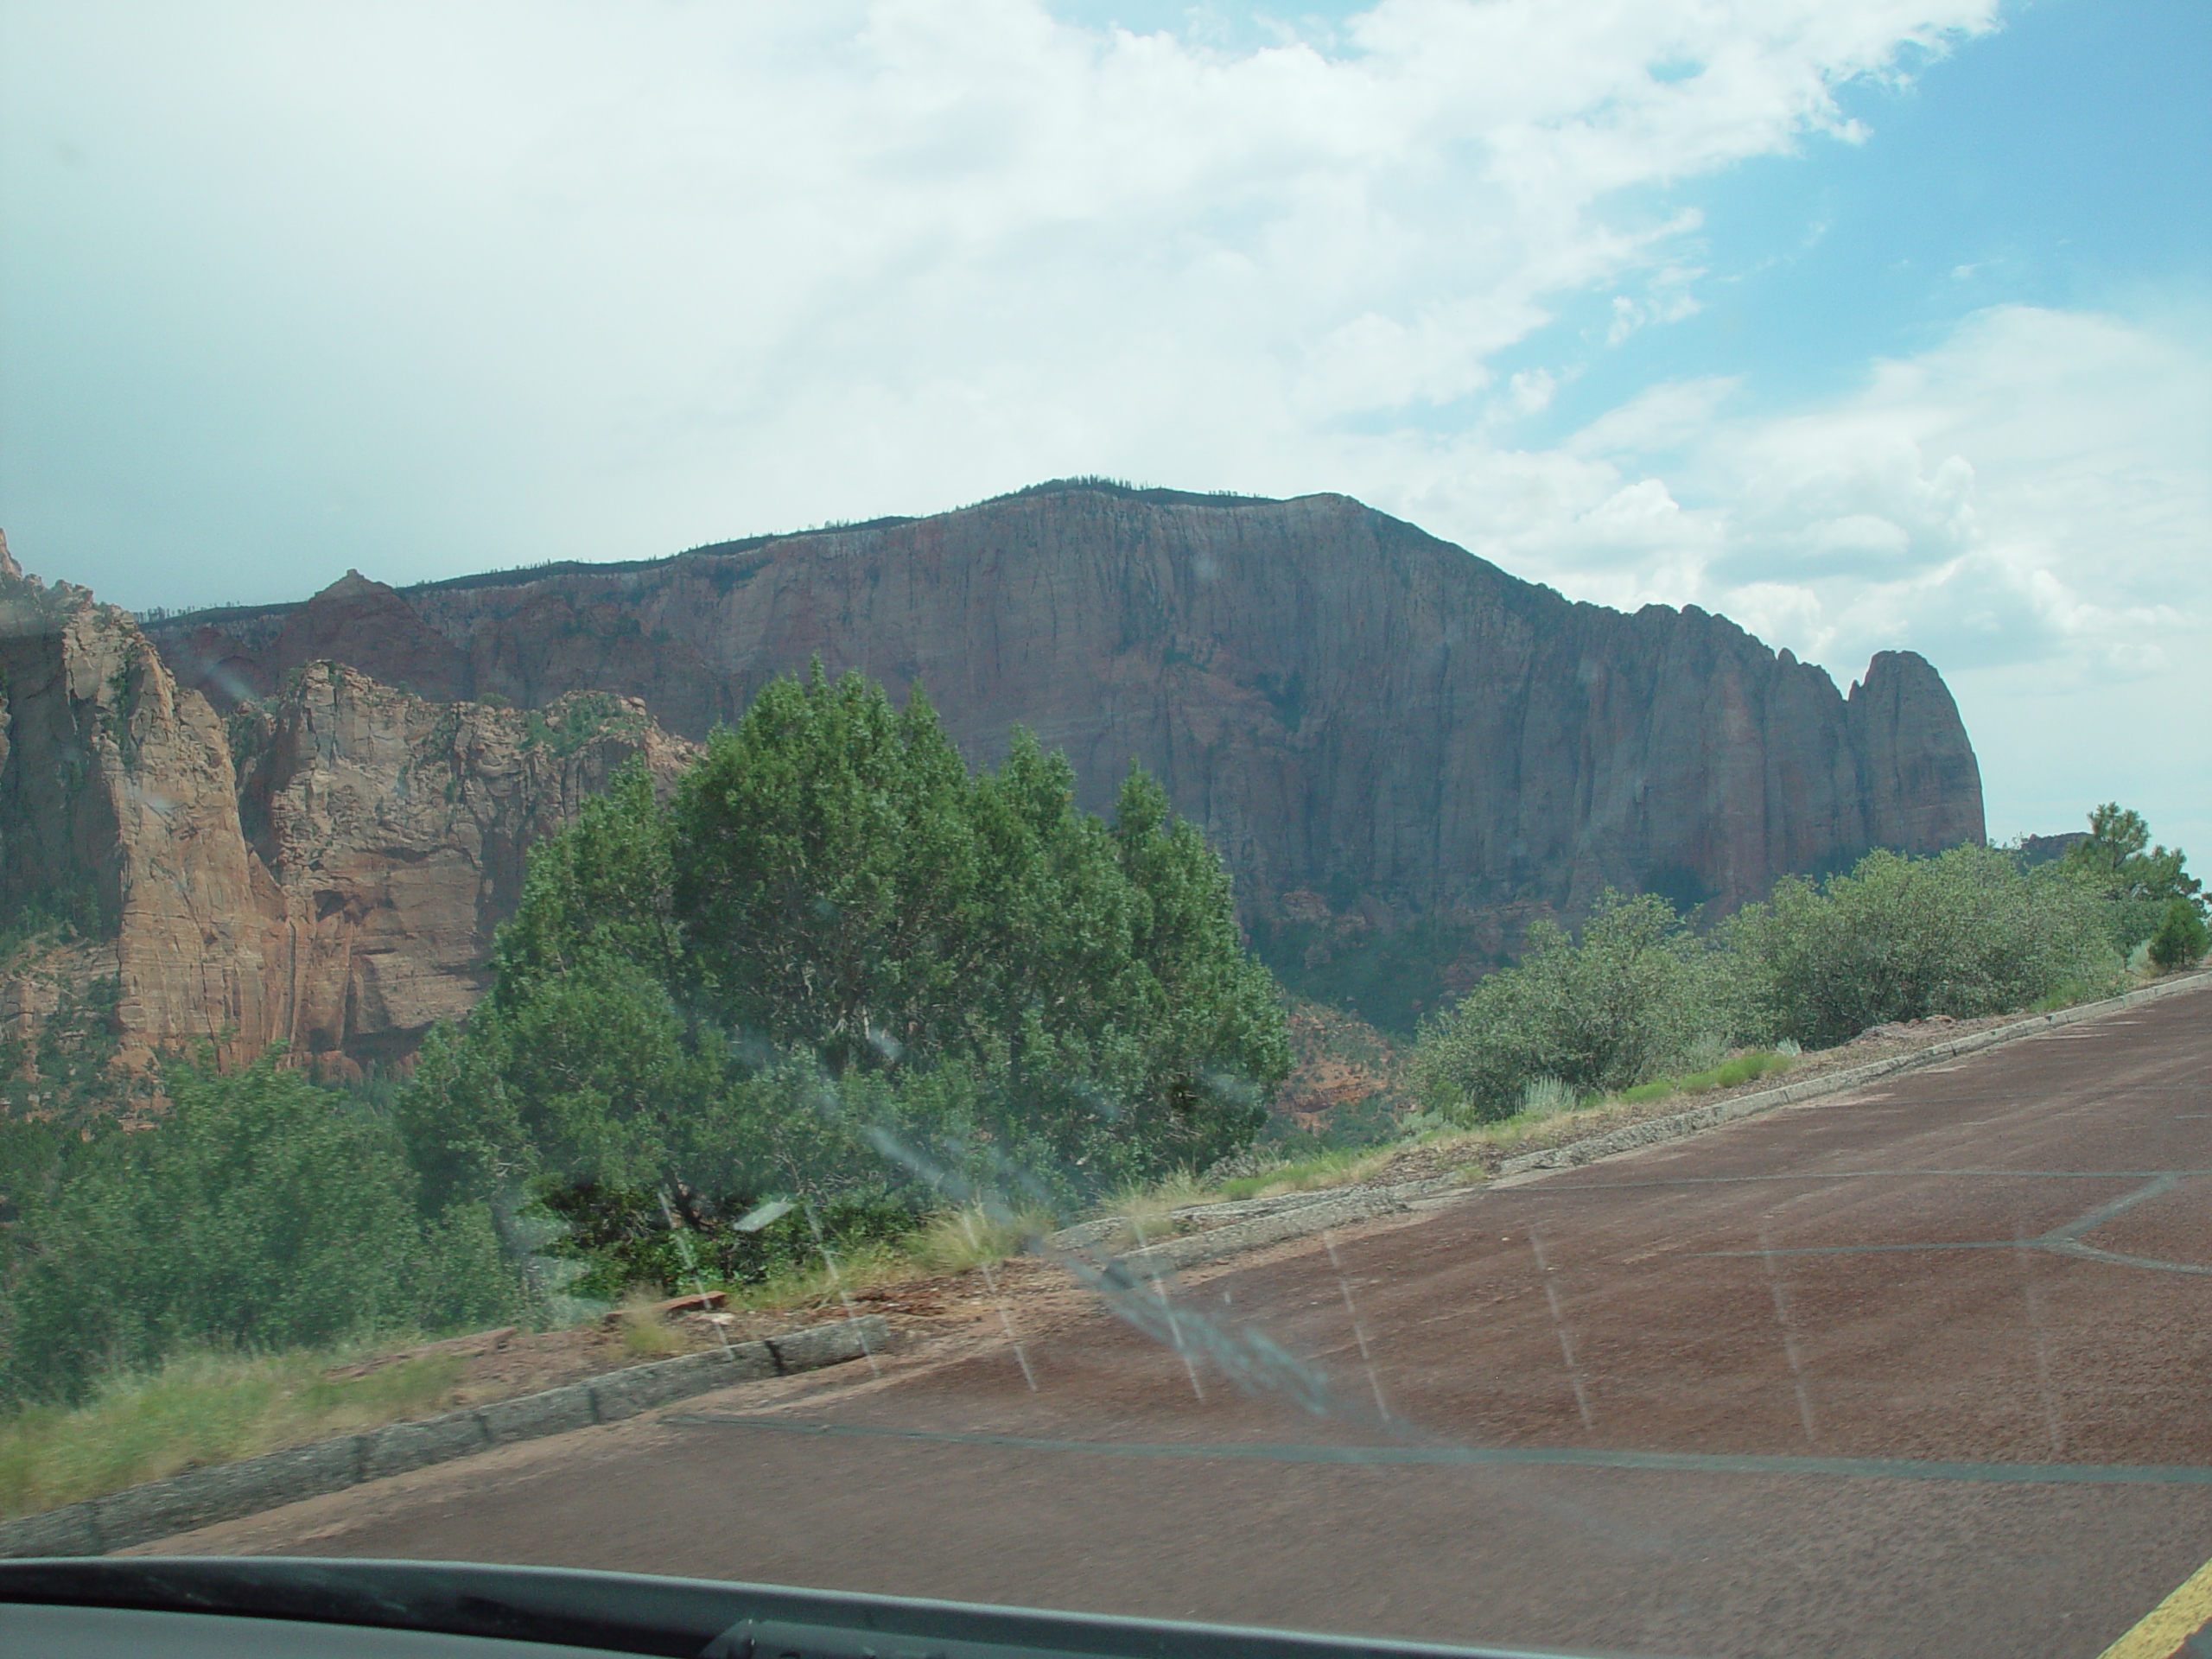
[[647, 1333], [958, 1241], [1146, 1212], [204, 1408], [1346, 1167]]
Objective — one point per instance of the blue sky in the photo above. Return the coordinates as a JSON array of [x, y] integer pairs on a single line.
[[2062, 160], [1870, 326]]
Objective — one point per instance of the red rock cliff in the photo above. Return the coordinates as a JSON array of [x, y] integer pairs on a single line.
[[324, 869], [1353, 708]]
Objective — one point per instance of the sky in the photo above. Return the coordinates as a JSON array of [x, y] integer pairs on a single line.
[[1871, 325]]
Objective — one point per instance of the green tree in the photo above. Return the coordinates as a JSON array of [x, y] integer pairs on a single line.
[[2181, 938], [2136, 879], [601, 888], [259, 1211], [837, 964], [1633, 997], [1219, 1044], [825, 870]]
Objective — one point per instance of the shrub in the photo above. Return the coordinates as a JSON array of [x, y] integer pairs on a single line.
[[261, 1212], [2180, 940], [1639, 1008], [840, 967], [1965, 933], [1629, 1000]]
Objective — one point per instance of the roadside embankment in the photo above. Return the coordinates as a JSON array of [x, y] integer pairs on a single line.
[[158, 1509]]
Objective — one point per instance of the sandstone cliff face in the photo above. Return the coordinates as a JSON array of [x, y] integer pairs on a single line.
[[117, 815], [397, 830], [302, 824], [1363, 717], [325, 873]]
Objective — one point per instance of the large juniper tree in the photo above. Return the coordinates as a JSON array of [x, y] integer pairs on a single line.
[[836, 965]]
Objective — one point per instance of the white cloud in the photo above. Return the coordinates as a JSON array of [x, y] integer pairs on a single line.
[[426, 288], [2029, 505], [496, 280]]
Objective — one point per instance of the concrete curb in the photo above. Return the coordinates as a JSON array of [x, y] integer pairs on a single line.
[[1088, 1234], [1340, 1209], [160, 1508], [1674, 1126]]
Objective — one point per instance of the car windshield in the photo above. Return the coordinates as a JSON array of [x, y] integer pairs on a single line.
[[1361, 818]]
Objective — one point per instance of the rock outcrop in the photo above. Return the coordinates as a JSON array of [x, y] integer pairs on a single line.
[[300, 824], [323, 869], [397, 830], [1362, 716]]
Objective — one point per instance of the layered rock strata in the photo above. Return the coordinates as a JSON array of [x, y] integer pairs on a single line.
[[300, 824], [1365, 718], [323, 869]]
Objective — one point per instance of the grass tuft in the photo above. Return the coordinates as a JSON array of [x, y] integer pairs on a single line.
[[1742, 1068], [1340, 1166], [959, 1240], [818, 1285], [647, 1333], [1147, 1211], [203, 1407]]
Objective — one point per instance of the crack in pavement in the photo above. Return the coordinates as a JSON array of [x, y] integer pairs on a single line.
[[1477, 1456], [2064, 1240]]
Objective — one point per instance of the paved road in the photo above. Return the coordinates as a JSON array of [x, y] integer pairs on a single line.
[[1927, 1370]]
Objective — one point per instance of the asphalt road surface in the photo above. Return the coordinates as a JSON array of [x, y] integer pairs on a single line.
[[1926, 1368]]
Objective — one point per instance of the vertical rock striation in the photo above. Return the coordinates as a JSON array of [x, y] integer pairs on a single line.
[[1353, 708], [300, 824], [323, 870], [398, 830]]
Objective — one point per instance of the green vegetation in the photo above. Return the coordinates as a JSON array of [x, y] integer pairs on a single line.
[[2147, 891], [1335, 1166], [201, 1406], [1740, 1069], [764, 1033], [1966, 933], [1632, 998], [837, 970], [973, 1235], [2180, 938], [1639, 1008], [576, 721], [54, 915], [63, 1075], [840, 1011], [259, 1212]]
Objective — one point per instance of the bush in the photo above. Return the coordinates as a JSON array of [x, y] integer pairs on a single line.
[[1631, 998], [1642, 1008], [2180, 940], [1965, 933], [260, 1213]]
